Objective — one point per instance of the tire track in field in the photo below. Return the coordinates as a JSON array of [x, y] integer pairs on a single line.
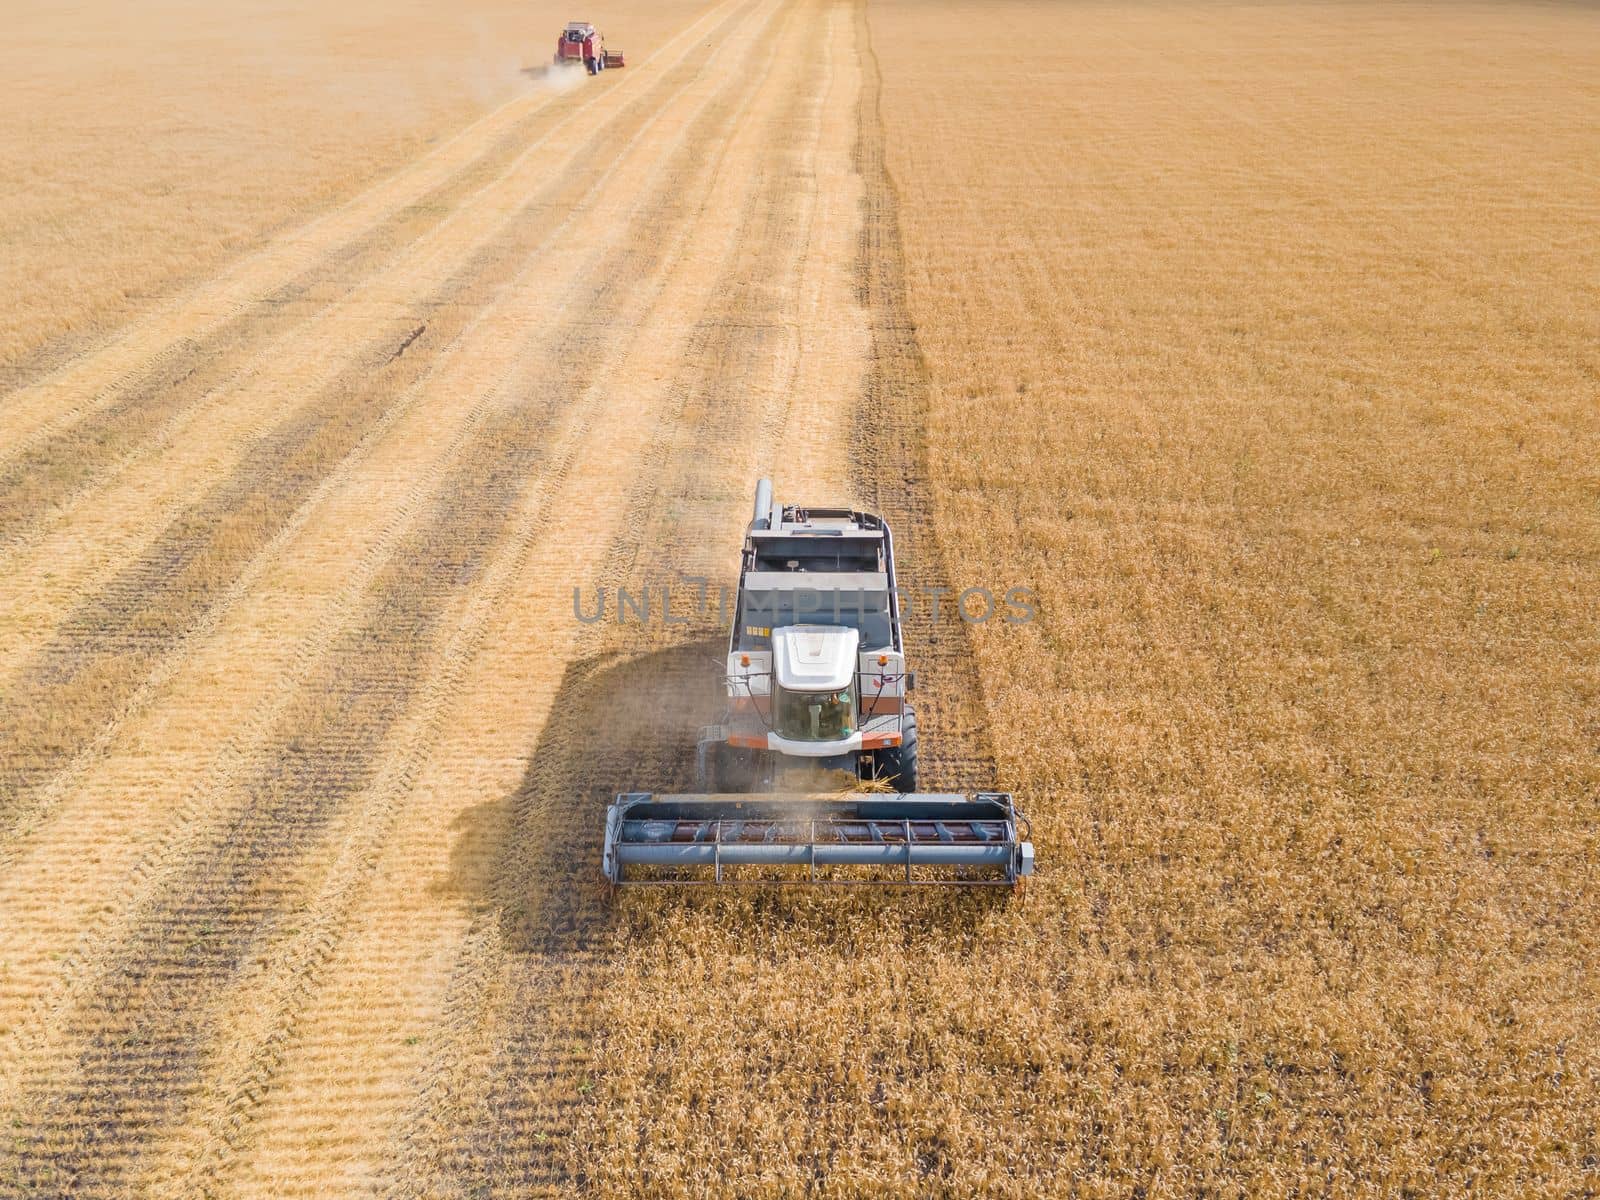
[[43, 475], [546, 881], [98, 657], [891, 467], [166, 342], [67, 391], [147, 1018]]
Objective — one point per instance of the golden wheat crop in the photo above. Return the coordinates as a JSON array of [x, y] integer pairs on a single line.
[[1257, 341]]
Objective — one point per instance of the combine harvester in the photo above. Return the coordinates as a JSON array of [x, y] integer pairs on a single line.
[[580, 45], [816, 682]]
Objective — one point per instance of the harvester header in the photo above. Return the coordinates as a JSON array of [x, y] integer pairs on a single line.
[[924, 838]]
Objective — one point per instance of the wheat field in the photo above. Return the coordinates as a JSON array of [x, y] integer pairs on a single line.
[[1258, 341], [147, 145]]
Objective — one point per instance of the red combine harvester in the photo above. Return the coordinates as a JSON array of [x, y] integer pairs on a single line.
[[580, 44]]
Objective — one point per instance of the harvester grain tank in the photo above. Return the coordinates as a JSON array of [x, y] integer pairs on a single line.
[[581, 45], [816, 686]]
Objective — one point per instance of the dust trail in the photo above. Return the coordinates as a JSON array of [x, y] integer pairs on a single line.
[[556, 79]]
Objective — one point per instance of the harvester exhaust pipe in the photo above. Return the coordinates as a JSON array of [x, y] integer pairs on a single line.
[[763, 510]]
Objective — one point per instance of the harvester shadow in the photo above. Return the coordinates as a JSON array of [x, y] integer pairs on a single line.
[[623, 723]]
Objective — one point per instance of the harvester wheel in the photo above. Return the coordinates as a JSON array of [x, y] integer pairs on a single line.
[[735, 770], [720, 767], [898, 764]]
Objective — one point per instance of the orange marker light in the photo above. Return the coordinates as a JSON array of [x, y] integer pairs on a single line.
[[883, 660], [744, 660]]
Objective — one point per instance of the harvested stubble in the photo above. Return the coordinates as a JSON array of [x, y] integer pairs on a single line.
[[144, 146]]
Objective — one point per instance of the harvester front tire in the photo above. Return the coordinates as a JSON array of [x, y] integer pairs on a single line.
[[736, 770], [720, 767], [899, 763]]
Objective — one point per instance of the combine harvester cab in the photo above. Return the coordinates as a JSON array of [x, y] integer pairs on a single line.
[[816, 682], [581, 45]]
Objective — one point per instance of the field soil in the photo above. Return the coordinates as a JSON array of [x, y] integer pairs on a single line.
[[1257, 342]]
